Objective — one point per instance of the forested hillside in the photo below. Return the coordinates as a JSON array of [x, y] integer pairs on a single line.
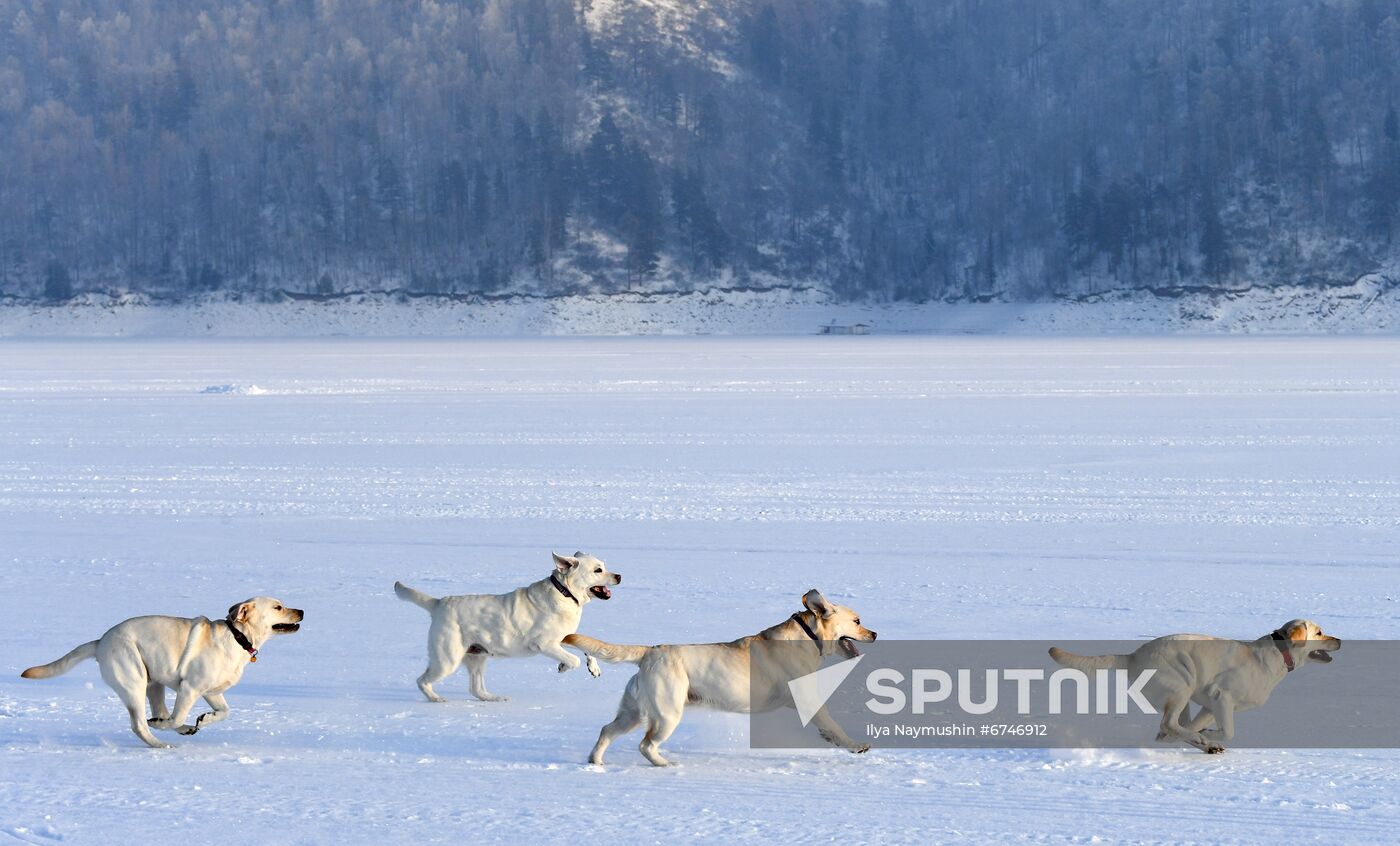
[[891, 149]]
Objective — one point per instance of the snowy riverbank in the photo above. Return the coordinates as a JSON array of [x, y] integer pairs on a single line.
[[1369, 305]]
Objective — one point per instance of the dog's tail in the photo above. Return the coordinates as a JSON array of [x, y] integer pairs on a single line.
[[613, 653], [1088, 662], [417, 597], [64, 664]]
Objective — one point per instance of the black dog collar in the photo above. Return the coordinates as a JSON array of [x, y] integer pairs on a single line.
[[242, 641], [808, 629], [1283, 643], [559, 586]]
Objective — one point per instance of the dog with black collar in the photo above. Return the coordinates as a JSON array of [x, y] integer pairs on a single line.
[[720, 675], [196, 657], [1221, 676], [532, 620]]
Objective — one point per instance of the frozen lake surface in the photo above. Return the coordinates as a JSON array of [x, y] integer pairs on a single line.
[[953, 488]]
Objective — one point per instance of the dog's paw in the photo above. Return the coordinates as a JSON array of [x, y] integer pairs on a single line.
[[187, 730], [1214, 749], [593, 669], [564, 668], [859, 748]]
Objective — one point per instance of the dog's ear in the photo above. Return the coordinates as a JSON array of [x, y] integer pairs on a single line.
[[563, 562], [1298, 632], [240, 612], [817, 604], [578, 553]]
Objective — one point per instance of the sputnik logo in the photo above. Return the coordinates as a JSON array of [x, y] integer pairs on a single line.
[[810, 692]]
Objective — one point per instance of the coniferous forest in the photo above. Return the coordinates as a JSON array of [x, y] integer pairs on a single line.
[[885, 149]]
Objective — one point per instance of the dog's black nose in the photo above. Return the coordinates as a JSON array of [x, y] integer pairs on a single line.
[[301, 615], [617, 579], [874, 635]]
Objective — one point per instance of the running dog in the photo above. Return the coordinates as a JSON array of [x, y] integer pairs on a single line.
[[527, 621], [717, 675], [141, 657], [1222, 676]]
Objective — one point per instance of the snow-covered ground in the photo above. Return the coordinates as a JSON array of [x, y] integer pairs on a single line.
[[954, 487], [1370, 305]]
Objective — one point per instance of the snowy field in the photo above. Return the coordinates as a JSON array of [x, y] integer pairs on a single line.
[[964, 487]]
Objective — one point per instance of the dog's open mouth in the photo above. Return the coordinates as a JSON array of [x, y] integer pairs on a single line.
[[286, 628], [601, 591], [850, 646], [1324, 655]]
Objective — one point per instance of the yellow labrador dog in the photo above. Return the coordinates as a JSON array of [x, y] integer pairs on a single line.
[[141, 657], [527, 621], [1222, 676], [717, 675]]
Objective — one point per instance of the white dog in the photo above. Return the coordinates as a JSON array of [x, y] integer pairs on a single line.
[[717, 675], [1222, 676], [141, 657], [527, 621]]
